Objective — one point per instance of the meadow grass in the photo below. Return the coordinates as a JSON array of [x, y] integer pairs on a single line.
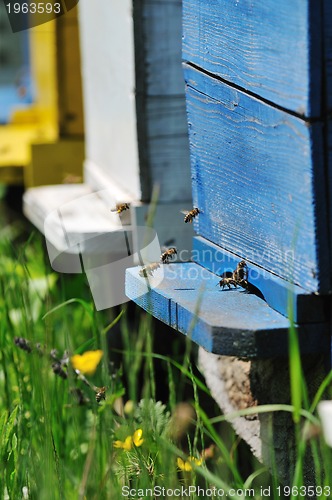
[[58, 442]]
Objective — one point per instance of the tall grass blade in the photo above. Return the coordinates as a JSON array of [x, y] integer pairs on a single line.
[[87, 306]]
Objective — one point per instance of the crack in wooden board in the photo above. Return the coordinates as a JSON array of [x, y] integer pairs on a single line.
[[274, 52]]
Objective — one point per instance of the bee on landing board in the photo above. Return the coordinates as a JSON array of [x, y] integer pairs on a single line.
[[149, 269], [239, 277], [191, 215], [227, 282], [241, 272], [168, 254], [120, 207]]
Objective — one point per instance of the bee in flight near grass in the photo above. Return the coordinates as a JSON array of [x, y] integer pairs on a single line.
[[120, 207], [100, 393], [23, 344], [149, 269], [191, 215], [168, 254], [58, 370]]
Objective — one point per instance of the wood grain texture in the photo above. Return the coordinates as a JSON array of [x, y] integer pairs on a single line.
[[228, 322], [258, 178], [280, 294], [272, 51], [161, 25]]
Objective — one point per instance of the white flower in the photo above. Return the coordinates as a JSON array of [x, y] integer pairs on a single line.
[[325, 413]]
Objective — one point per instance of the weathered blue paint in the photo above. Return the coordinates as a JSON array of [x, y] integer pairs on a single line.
[[272, 50], [258, 178], [281, 295], [229, 322]]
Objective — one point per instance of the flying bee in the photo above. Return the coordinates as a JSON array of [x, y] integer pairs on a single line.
[[58, 370], [227, 282], [120, 207], [22, 344], [168, 254], [149, 269], [100, 393], [191, 215]]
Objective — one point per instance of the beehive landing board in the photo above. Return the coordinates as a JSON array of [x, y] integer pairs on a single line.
[[281, 295], [229, 322]]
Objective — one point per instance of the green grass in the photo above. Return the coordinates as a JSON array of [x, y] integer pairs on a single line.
[[53, 447]]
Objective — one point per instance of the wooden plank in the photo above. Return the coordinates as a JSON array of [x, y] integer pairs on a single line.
[[228, 322], [42, 45], [55, 163], [164, 147], [281, 295], [16, 140], [327, 95], [274, 52], [258, 179], [108, 74], [327, 16], [160, 100], [161, 25], [167, 151], [167, 117], [69, 67]]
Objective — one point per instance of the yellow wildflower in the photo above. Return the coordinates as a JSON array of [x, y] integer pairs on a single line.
[[136, 439], [87, 362], [186, 465], [127, 444]]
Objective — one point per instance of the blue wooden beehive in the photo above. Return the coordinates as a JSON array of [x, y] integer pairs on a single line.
[[259, 93]]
